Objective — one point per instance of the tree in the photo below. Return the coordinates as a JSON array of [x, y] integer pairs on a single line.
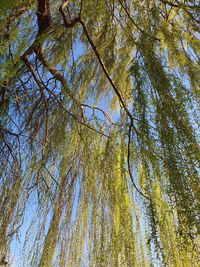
[[99, 132]]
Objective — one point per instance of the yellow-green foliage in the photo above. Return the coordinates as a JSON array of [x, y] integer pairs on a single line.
[[99, 133]]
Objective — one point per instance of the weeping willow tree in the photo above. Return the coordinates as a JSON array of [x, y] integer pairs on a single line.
[[99, 131]]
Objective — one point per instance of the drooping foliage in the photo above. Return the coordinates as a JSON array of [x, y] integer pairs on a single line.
[[99, 132]]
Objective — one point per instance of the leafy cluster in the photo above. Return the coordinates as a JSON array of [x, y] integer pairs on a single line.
[[99, 132]]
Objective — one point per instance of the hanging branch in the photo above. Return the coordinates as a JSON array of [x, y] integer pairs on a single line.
[[117, 91], [72, 23], [134, 23], [129, 164]]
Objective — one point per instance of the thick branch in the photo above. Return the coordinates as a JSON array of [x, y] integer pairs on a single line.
[[56, 74], [43, 15], [114, 86], [67, 23]]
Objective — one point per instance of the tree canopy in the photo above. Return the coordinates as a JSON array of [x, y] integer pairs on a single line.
[[99, 132]]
